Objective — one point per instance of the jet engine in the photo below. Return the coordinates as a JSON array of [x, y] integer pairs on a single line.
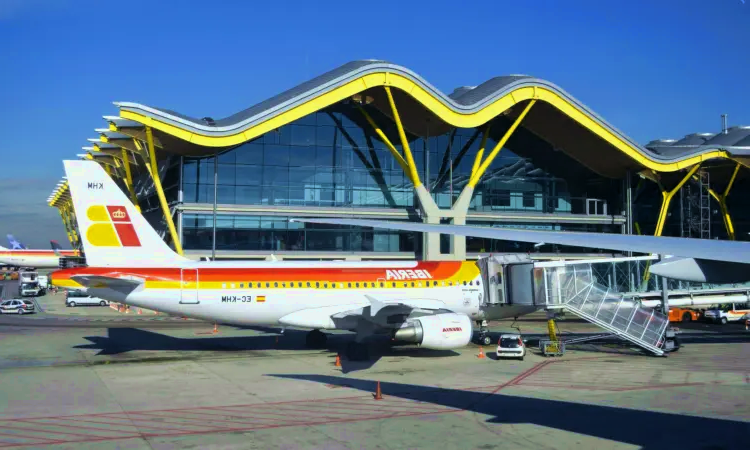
[[438, 332]]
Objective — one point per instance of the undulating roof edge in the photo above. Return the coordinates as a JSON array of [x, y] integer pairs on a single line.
[[465, 108]]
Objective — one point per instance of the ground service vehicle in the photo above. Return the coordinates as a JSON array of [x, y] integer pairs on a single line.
[[510, 346], [731, 312], [76, 297], [683, 315], [29, 289]]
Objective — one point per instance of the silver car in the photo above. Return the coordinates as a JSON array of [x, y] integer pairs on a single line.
[[17, 306]]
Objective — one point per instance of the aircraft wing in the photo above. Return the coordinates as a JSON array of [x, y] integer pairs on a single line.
[[122, 285], [326, 317], [700, 260]]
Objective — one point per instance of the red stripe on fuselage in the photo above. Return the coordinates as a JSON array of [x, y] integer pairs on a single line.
[[438, 270]]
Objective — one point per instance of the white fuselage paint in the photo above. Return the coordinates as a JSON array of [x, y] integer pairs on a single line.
[[37, 261], [280, 302]]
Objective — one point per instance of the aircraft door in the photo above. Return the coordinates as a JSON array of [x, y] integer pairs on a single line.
[[189, 286]]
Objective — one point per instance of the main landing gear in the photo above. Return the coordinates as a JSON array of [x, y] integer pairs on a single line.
[[483, 337], [316, 339]]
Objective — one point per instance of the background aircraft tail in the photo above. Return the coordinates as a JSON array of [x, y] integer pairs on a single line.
[[113, 232], [56, 247], [14, 243]]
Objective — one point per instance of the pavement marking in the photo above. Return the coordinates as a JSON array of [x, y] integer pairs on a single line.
[[217, 419]]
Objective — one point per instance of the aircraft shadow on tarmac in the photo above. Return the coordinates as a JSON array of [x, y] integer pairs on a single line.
[[123, 340], [648, 429]]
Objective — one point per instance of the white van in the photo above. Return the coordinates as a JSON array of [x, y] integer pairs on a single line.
[[730, 312], [76, 297]]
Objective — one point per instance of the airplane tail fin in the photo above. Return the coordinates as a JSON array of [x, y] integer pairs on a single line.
[[113, 232], [14, 243], [56, 247]]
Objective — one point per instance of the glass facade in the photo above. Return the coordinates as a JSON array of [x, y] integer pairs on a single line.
[[333, 158], [275, 233]]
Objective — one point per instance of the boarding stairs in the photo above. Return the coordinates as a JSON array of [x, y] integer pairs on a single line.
[[571, 285]]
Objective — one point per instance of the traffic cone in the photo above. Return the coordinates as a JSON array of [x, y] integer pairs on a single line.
[[338, 361], [747, 325], [216, 330], [481, 352], [378, 394], [140, 311]]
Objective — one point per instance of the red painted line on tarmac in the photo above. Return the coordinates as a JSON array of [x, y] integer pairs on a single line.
[[26, 429], [80, 426], [194, 419], [303, 414], [314, 409], [109, 424], [382, 404], [388, 402], [213, 417], [138, 427], [234, 413], [18, 436], [161, 422]]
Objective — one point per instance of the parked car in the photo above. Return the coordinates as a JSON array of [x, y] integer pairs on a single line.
[[17, 306], [75, 298], [511, 346]]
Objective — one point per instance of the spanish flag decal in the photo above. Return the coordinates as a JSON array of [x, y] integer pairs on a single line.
[[260, 298], [111, 228]]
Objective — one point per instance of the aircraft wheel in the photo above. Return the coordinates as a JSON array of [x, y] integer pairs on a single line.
[[485, 340], [356, 351], [316, 339]]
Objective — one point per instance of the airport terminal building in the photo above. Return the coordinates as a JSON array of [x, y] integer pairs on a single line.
[[374, 140]]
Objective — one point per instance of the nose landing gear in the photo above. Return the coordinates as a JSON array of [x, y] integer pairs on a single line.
[[483, 336]]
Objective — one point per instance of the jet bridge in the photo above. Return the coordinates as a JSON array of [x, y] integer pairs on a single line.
[[573, 286]]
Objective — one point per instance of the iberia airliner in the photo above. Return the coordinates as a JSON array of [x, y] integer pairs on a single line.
[[428, 303], [38, 259]]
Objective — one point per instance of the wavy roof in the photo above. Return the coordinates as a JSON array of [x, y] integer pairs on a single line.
[[558, 118]]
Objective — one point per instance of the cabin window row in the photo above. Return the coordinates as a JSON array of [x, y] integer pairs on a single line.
[[332, 285]]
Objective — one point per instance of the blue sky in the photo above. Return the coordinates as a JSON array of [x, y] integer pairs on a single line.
[[653, 69]]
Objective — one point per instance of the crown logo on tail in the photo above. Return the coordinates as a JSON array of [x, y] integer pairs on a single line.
[[119, 214]]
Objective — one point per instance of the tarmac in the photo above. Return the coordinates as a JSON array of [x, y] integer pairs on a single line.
[[99, 382]]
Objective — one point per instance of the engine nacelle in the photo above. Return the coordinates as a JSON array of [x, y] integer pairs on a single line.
[[439, 332]]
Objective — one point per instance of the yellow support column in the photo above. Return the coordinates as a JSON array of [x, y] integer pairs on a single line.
[[480, 152], [67, 227], [667, 199], [160, 191], [722, 199], [482, 167], [399, 159], [414, 173], [129, 179]]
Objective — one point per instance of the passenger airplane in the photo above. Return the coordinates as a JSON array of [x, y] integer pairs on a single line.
[[38, 259], [428, 303]]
